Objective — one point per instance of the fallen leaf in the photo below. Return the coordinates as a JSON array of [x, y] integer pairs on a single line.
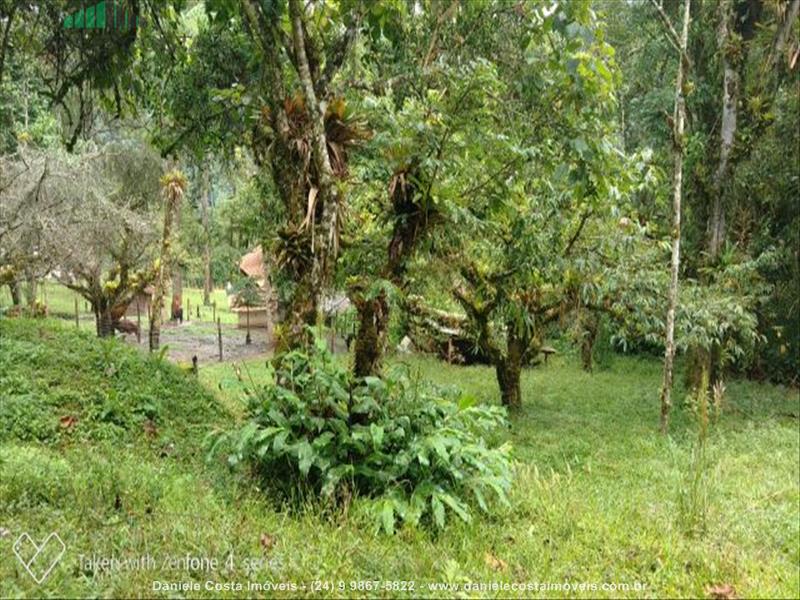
[[495, 563], [267, 541], [723, 591], [150, 428], [68, 421]]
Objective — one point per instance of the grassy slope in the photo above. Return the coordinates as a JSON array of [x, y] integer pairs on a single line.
[[595, 499]]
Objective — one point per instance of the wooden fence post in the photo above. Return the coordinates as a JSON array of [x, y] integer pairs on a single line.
[[219, 337], [77, 319], [214, 311], [247, 339], [188, 310], [138, 322]]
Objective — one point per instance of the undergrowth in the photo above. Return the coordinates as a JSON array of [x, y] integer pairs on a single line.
[[420, 449]]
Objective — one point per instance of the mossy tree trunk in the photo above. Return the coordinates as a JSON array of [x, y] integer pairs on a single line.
[[703, 365], [373, 320], [31, 290], [176, 311], [508, 368], [304, 180], [205, 209], [105, 323], [507, 361], [590, 324], [174, 186], [411, 223]]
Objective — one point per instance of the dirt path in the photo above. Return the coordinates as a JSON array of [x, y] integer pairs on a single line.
[[199, 338]]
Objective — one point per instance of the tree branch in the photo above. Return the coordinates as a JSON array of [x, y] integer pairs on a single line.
[[4, 45], [584, 218], [670, 32]]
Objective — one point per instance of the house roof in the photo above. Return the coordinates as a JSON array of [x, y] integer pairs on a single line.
[[252, 265]]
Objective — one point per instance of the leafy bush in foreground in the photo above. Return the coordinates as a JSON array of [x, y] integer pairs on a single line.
[[319, 429]]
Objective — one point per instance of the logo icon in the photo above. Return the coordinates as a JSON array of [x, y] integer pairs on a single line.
[[39, 559], [108, 14]]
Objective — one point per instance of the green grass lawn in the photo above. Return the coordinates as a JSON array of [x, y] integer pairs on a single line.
[[104, 445], [60, 302]]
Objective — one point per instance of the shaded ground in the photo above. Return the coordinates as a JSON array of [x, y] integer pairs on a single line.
[[199, 338]]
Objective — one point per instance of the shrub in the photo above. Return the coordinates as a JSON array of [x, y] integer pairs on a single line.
[[318, 429]]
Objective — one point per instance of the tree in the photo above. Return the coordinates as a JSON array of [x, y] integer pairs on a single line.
[[486, 178], [176, 306], [293, 121], [757, 53], [103, 247], [32, 207], [205, 209], [679, 118], [417, 148], [173, 186]]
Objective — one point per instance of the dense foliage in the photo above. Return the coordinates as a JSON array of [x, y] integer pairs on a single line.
[[423, 450]]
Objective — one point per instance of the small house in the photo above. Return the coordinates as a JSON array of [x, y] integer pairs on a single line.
[[263, 315]]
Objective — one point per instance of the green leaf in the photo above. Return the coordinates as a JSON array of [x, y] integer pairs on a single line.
[[422, 457], [377, 435], [279, 443], [439, 446], [466, 401], [387, 516], [459, 508], [438, 511], [305, 455], [323, 439]]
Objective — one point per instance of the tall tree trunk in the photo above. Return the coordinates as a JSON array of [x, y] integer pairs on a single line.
[[5, 41], [410, 225], [730, 96], [205, 203], [311, 227], [327, 236], [784, 28], [172, 195], [677, 188], [31, 290], [177, 270]]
